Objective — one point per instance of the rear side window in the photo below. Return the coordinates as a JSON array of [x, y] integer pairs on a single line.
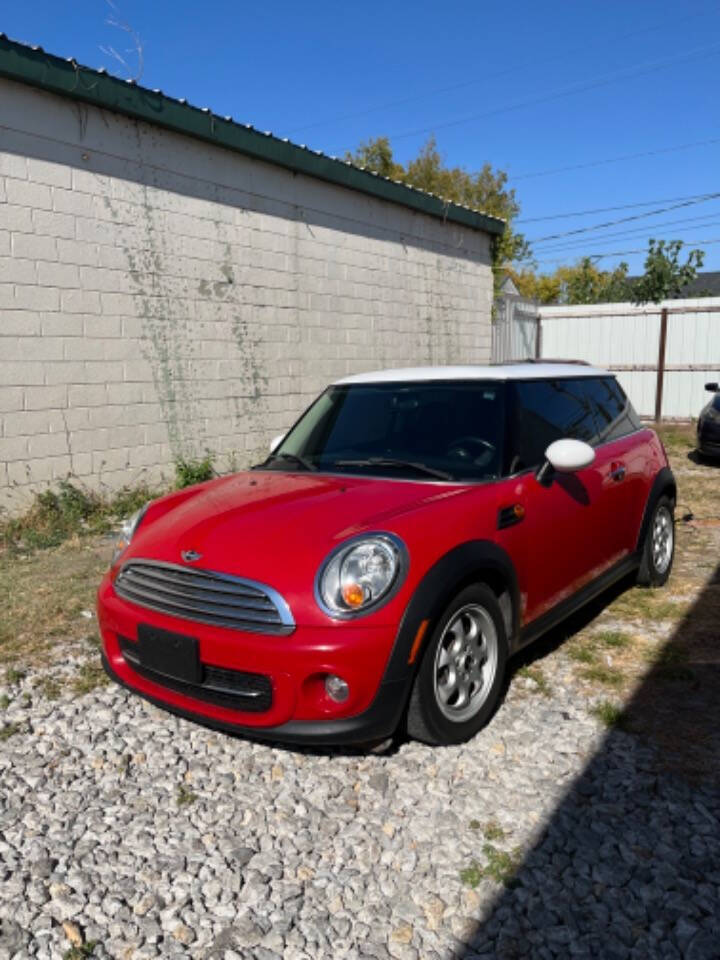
[[614, 412], [593, 409]]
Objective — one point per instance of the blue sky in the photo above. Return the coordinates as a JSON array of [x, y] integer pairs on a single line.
[[528, 87]]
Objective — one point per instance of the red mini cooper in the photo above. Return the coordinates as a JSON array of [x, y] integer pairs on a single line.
[[412, 531]]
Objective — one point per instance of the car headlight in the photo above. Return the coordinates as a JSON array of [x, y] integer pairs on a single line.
[[361, 574], [127, 532]]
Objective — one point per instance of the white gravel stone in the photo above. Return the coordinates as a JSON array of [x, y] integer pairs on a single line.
[[271, 852]]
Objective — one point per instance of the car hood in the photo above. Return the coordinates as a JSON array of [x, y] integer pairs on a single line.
[[277, 527]]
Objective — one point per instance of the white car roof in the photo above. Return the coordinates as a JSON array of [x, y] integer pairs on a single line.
[[509, 371]]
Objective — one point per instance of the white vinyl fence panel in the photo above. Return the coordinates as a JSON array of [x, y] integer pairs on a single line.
[[515, 327], [626, 339]]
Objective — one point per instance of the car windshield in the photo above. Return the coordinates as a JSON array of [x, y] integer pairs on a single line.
[[420, 431]]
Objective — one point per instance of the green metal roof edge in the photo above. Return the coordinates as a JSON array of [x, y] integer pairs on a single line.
[[32, 65]]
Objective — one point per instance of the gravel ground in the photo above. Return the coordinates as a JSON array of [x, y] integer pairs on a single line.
[[546, 836]]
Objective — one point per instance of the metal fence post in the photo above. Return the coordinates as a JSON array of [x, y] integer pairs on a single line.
[[661, 365], [538, 337]]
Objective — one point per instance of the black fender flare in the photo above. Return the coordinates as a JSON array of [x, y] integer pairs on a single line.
[[474, 561], [664, 483]]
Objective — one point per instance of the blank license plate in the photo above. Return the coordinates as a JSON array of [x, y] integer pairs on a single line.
[[171, 654]]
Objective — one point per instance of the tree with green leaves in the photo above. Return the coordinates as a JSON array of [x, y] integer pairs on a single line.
[[665, 277], [583, 282], [484, 190]]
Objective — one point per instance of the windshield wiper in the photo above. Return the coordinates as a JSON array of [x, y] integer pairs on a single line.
[[289, 457], [393, 462]]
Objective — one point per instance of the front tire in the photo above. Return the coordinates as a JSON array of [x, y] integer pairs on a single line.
[[659, 547], [460, 678]]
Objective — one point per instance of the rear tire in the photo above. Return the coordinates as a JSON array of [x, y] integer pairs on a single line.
[[658, 549], [460, 678]]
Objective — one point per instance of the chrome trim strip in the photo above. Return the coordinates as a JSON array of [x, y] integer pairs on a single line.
[[259, 608]]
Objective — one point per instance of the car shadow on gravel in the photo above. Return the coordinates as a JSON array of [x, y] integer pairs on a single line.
[[628, 866]]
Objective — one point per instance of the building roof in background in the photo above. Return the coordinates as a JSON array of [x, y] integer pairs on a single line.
[[67, 78], [704, 285]]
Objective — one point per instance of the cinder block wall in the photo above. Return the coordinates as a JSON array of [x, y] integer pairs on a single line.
[[160, 297]]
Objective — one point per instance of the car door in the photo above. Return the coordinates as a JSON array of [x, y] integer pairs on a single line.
[[622, 460], [555, 534]]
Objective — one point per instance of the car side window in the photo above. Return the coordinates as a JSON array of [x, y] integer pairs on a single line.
[[716, 402], [544, 411], [613, 411]]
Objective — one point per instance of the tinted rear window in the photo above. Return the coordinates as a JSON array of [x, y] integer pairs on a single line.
[[593, 409]]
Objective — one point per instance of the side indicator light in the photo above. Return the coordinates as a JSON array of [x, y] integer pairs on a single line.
[[519, 511], [418, 640]]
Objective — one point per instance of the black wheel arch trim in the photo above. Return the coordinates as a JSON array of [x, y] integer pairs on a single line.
[[663, 484], [475, 561]]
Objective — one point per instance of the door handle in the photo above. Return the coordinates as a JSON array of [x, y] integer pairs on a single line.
[[617, 473]]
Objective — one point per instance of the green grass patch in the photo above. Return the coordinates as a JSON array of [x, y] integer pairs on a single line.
[[49, 688], [80, 952], [501, 866], [600, 673], [88, 677], [582, 652], [190, 472], [71, 510], [472, 875], [613, 639], [538, 677], [185, 796], [671, 662], [9, 730], [5, 701], [648, 604], [610, 715], [493, 831], [13, 675]]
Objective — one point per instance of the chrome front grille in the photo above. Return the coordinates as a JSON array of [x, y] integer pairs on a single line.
[[204, 596]]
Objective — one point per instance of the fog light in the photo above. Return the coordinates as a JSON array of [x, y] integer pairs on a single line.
[[336, 688]]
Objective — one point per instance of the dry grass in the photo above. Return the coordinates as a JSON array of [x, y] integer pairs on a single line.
[[658, 649], [44, 597]]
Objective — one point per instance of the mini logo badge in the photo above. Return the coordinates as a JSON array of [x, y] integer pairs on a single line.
[[190, 556]]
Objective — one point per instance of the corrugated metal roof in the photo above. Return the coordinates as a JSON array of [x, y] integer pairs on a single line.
[[67, 78]]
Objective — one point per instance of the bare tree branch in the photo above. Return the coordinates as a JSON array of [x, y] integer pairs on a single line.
[[114, 21]]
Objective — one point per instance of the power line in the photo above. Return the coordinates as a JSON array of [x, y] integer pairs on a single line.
[[614, 38], [628, 219], [627, 156], [622, 206], [581, 87], [623, 253], [686, 222]]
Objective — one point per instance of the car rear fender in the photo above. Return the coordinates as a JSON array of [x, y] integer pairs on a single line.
[[663, 485]]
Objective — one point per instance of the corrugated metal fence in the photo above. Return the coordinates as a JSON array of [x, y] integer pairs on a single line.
[[662, 372]]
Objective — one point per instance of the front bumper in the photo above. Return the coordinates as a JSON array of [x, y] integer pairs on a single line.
[[379, 721], [300, 711]]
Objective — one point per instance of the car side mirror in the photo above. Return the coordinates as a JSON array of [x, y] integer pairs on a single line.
[[565, 456], [276, 441], [712, 387]]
